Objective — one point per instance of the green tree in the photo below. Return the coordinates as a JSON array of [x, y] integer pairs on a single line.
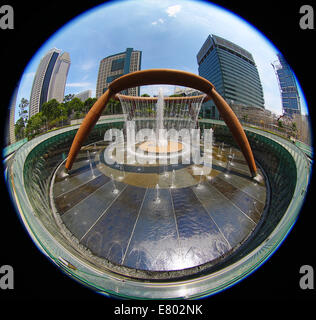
[[294, 129], [89, 103], [75, 105], [62, 110], [62, 117], [112, 107], [245, 117], [23, 113], [35, 125], [280, 123], [50, 109], [19, 129], [67, 107], [176, 95], [117, 107], [145, 95], [68, 97], [20, 124]]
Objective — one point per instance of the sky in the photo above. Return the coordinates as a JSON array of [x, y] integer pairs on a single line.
[[169, 33]]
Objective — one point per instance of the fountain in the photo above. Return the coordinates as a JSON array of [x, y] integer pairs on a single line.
[[153, 138], [149, 230], [165, 171], [122, 171], [90, 163], [231, 157], [173, 178], [220, 152], [199, 185], [114, 190], [161, 140], [157, 199]]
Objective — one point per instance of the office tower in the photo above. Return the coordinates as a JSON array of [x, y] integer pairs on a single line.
[[114, 66], [50, 79], [12, 117], [186, 91], [84, 95], [59, 77], [288, 88], [10, 121], [233, 72]]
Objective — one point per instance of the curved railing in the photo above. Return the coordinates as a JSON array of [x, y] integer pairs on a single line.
[[29, 181]]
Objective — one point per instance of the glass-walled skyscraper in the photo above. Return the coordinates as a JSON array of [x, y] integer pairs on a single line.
[[288, 87], [233, 72]]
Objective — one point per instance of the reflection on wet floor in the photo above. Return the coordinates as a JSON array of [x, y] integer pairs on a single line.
[[153, 221]]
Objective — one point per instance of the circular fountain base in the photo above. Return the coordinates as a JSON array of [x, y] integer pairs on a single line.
[[169, 147], [157, 221], [113, 229]]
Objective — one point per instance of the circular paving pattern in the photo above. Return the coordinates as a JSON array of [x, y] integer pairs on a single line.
[[159, 218]]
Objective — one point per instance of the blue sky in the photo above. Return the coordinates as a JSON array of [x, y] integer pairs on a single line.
[[169, 33]]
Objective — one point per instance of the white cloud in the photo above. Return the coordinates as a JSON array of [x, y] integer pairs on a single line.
[[158, 21], [78, 84], [173, 10]]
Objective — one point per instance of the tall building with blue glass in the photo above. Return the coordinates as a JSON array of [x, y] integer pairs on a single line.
[[233, 72], [288, 87], [50, 79], [116, 65]]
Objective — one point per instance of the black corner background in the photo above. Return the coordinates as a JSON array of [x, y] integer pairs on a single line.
[[35, 277]]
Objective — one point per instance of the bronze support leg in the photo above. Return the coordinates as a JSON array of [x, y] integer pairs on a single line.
[[86, 126], [236, 129]]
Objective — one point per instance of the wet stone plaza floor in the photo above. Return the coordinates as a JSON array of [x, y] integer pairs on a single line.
[[159, 217]]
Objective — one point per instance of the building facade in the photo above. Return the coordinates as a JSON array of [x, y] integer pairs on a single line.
[[84, 95], [233, 72], [114, 66], [11, 130], [186, 91], [303, 125], [10, 121], [288, 88], [255, 116], [59, 77], [50, 79]]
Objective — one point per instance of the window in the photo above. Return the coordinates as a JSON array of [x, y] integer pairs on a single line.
[[117, 64]]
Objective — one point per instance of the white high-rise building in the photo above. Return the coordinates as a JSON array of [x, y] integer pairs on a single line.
[[84, 95], [10, 132], [58, 82], [50, 79]]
